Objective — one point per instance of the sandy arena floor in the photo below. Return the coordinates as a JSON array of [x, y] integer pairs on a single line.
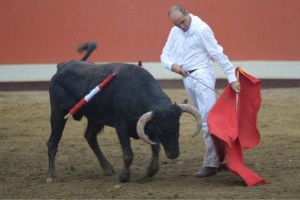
[[25, 128]]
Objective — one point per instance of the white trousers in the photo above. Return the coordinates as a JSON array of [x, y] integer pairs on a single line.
[[200, 88]]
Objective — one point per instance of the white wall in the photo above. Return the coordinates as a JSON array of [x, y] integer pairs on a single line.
[[259, 69]]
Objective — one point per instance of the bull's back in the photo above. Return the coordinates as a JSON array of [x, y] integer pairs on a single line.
[[132, 92], [78, 78]]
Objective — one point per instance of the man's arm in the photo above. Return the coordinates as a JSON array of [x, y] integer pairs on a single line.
[[215, 51]]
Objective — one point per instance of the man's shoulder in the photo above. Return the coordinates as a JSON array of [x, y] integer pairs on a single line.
[[199, 23], [201, 27]]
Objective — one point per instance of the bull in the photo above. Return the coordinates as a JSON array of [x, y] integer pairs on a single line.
[[133, 103]]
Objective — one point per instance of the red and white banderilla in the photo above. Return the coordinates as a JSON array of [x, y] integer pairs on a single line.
[[90, 95]]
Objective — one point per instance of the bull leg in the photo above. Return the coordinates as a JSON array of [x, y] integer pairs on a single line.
[[124, 139], [154, 164], [57, 127], [153, 167], [91, 136]]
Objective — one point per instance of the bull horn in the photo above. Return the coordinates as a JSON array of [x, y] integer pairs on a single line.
[[144, 119], [192, 110]]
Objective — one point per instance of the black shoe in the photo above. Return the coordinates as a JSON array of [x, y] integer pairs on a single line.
[[222, 166]]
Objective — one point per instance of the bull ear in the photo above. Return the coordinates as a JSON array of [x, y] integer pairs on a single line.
[[194, 111], [144, 119]]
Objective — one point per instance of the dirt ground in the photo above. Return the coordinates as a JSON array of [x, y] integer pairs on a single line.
[[25, 128]]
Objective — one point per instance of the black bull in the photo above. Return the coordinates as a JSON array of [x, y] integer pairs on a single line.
[[132, 103]]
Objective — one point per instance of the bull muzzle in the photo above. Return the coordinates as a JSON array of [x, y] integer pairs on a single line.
[[172, 155]]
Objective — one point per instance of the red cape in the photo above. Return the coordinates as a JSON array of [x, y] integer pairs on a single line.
[[233, 124]]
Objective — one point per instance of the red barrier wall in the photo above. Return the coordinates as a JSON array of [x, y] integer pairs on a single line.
[[48, 31]]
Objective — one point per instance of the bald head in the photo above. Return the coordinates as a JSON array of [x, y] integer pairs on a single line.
[[177, 8], [178, 15]]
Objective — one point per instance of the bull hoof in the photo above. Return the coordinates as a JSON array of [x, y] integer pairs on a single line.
[[124, 177], [107, 168], [151, 171]]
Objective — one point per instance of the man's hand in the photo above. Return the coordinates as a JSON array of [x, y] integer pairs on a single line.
[[177, 69], [236, 86]]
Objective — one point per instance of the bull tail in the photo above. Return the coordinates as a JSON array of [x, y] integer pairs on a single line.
[[89, 47]]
